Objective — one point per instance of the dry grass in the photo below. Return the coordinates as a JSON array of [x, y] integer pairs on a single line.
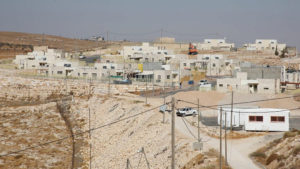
[[208, 160]]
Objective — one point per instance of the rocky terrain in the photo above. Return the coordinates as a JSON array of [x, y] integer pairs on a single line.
[[281, 153]]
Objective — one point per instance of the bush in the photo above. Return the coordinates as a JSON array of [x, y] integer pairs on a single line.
[[258, 154], [271, 158], [289, 134]]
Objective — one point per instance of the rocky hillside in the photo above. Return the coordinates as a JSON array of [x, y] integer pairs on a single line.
[[282, 153]]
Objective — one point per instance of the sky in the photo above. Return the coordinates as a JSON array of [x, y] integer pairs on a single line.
[[239, 21]]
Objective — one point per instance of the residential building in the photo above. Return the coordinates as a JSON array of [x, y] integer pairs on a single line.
[[242, 84], [215, 44], [265, 45]]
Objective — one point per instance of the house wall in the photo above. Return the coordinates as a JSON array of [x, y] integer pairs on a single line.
[[267, 125], [210, 44], [240, 117], [265, 44]]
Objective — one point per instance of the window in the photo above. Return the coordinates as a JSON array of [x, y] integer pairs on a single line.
[[277, 119], [266, 88], [220, 85], [184, 64], [104, 67], [216, 57], [168, 76], [214, 65], [158, 76], [256, 118], [59, 72], [112, 67], [78, 74]]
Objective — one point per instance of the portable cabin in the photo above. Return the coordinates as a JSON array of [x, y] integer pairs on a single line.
[[256, 119]]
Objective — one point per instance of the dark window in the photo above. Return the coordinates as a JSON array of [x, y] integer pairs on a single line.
[[220, 85], [104, 67], [259, 118], [256, 118], [277, 119], [251, 118]]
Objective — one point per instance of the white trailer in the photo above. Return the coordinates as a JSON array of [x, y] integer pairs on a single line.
[[256, 119]]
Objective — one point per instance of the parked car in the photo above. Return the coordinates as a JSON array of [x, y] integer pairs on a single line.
[[124, 81], [186, 112], [203, 82]]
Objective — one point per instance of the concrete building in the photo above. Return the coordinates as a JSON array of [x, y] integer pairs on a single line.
[[165, 40], [256, 119], [39, 59], [133, 52], [265, 45], [214, 64], [242, 84], [215, 44]]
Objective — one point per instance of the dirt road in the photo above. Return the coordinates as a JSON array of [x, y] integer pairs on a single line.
[[237, 150]]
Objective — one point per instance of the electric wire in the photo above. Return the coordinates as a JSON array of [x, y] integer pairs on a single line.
[[227, 104], [80, 133]]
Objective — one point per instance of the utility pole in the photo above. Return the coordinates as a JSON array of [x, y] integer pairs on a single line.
[[225, 137], [198, 122], [109, 83], [146, 89], [107, 36], [90, 135], [153, 84], [231, 111], [164, 115], [220, 156], [173, 134]]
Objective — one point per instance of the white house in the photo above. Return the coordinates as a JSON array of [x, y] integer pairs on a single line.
[[256, 119], [139, 52], [265, 45], [217, 44]]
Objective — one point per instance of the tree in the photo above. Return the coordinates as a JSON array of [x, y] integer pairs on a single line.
[[283, 53], [276, 51]]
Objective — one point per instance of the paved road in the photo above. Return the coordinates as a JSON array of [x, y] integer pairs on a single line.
[[295, 122], [238, 150]]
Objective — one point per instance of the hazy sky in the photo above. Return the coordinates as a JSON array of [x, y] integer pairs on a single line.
[[240, 21]]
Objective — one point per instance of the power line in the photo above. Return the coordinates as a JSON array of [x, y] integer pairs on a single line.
[[135, 34], [80, 133], [182, 118], [227, 104]]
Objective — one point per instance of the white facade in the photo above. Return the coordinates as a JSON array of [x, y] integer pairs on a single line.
[[139, 52], [242, 85], [40, 58], [265, 44], [256, 119], [211, 44]]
